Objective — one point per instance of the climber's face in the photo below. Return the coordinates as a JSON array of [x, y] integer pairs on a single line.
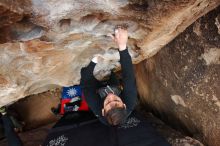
[[110, 102]]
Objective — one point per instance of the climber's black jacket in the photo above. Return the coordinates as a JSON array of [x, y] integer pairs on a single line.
[[90, 84]]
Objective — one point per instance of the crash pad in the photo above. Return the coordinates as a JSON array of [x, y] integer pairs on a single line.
[[136, 131]]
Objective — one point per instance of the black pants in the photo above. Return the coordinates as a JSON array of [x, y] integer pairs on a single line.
[[11, 136]]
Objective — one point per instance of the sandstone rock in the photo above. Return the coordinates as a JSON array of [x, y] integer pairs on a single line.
[[55, 39], [10, 12], [181, 83], [45, 43]]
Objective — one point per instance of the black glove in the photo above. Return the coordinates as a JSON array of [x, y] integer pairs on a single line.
[[104, 91]]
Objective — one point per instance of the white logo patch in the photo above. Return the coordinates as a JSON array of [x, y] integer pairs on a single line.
[[130, 122], [59, 141]]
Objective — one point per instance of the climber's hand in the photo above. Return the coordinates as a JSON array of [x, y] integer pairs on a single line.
[[97, 58], [121, 37]]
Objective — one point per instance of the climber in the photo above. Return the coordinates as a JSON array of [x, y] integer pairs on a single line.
[[110, 103], [10, 134]]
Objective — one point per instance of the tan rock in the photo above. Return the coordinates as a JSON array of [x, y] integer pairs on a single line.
[[181, 82], [45, 43], [60, 37]]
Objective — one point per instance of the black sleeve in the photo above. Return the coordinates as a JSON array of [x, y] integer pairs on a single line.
[[89, 85], [129, 93]]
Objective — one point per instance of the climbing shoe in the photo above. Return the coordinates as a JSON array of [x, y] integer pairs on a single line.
[[3, 110], [18, 125]]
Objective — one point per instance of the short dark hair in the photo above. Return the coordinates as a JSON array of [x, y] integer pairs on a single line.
[[116, 115]]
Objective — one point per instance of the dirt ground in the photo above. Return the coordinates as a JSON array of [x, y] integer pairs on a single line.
[[35, 110]]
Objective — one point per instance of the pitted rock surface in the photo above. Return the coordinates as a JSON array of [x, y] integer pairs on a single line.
[[181, 83], [45, 43]]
